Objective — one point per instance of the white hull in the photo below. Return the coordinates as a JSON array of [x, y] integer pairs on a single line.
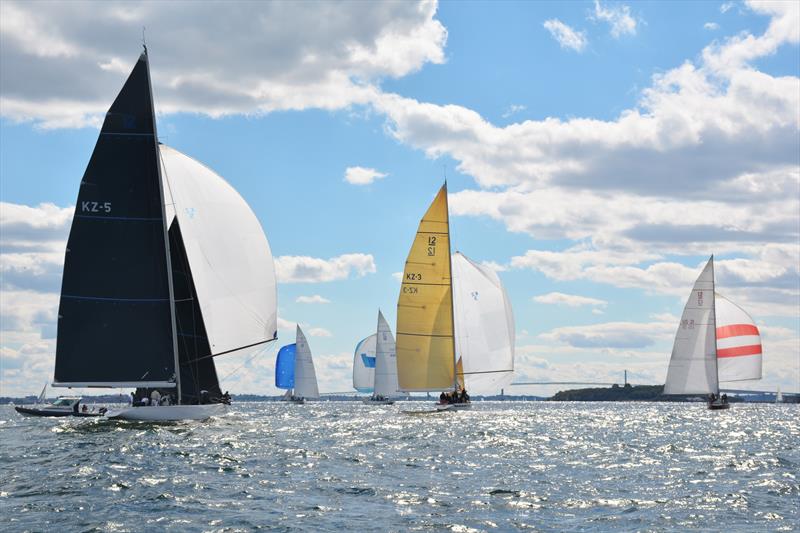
[[453, 406], [167, 413]]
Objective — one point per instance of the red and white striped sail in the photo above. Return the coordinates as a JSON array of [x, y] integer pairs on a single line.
[[738, 342]]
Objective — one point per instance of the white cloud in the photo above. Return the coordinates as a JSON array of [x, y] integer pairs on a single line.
[[319, 332], [565, 35], [622, 335], [711, 26], [618, 17], [304, 269], [398, 276], [725, 7], [314, 299], [362, 175], [513, 109], [570, 300], [63, 63]]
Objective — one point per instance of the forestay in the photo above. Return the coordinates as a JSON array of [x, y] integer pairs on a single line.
[[484, 325], [693, 365], [305, 379], [739, 355], [230, 258], [364, 364], [385, 360]]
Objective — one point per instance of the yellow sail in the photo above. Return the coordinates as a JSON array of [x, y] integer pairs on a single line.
[[425, 343]]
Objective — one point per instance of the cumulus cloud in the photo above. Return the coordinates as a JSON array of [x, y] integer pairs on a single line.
[[618, 17], [314, 299], [304, 269], [612, 334], [570, 300], [362, 175], [566, 36], [319, 332], [63, 63], [513, 109], [711, 26]]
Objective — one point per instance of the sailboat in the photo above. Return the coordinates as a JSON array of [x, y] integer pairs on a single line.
[[716, 341], [385, 365], [455, 327], [166, 268], [779, 395], [301, 381], [364, 364]]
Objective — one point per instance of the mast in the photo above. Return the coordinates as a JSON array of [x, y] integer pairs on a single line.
[[165, 225], [452, 303], [714, 312]]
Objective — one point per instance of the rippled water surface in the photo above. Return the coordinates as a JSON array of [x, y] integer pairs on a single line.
[[333, 466]]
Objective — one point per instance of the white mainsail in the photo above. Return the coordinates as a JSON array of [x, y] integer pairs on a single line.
[[364, 364], [229, 255], [385, 360], [693, 365], [484, 327], [305, 378], [42, 395], [739, 355]]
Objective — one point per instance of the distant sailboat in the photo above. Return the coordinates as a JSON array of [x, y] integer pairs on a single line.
[[303, 383], [455, 328], [716, 341], [166, 268], [42, 395], [364, 364], [384, 377], [779, 395]]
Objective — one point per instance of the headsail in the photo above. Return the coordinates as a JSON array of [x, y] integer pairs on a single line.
[[739, 355], [305, 379], [364, 364], [284, 367], [425, 344], [693, 365], [385, 360], [484, 327], [231, 261], [115, 318]]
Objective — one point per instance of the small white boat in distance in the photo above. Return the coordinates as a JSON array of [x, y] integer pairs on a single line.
[[384, 375], [294, 371], [63, 406]]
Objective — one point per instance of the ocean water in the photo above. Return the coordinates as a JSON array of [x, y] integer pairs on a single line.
[[333, 466]]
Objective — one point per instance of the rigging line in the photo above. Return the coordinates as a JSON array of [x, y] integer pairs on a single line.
[[232, 350], [258, 352]]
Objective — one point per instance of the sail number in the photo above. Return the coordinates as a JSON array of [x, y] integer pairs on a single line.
[[413, 276], [431, 246], [687, 323], [95, 207]]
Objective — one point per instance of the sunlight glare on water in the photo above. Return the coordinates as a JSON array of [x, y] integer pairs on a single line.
[[333, 466]]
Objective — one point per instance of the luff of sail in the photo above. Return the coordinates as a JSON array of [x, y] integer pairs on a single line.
[[425, 343], [484, 325], [385, 360], [364, 364], [693, 364], [739, 356], [305, 378], [115, 321]]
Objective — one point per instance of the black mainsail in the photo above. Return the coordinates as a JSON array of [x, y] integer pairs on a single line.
[[115, 317]]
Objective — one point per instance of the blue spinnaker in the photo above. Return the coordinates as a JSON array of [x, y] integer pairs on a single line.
[[284, 367]]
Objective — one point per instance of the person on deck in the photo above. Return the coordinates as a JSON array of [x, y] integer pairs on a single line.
[[442, 398], [155, 397]]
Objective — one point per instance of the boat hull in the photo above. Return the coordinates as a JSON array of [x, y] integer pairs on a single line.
[[370, 401], [717, 405], [167, 413], [454, 406], [34, 411]]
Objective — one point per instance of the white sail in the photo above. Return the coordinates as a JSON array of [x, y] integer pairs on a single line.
[[738, 343], [305, 379], [779, 395], [385, 360], [230, 258], [364, 364], [42, 395], [693, 365], [484, 326]]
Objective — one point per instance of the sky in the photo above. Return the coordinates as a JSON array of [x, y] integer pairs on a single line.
[[596, 154]]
